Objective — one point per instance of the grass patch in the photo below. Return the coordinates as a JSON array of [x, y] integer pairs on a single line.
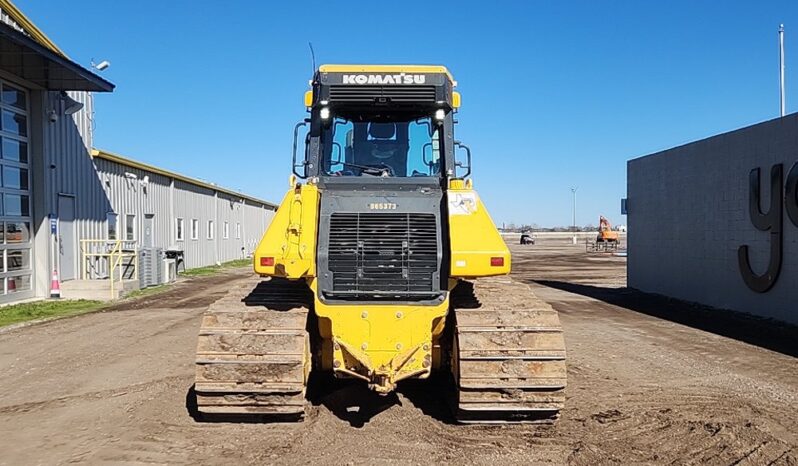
[[212, 269], [42, 309]]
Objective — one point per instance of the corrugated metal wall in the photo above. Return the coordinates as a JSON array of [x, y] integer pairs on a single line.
[[245, 224], [140, 193], [101, 186], [168, 200], [195, 205], [67, 146]]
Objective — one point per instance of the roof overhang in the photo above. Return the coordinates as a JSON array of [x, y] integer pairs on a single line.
[[22, 56]]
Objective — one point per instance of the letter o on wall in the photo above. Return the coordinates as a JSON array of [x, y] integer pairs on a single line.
[[791, 194]]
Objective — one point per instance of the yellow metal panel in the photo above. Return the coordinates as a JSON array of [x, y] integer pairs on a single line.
[[473, 237], [291, 237], [308, 98], [456, 99], [386, 69], [372, 341]]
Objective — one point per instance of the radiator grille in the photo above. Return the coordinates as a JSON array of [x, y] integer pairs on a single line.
[[396, 94], [390, 254]]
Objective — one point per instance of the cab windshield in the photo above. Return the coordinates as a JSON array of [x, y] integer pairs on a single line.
[[381, 148]]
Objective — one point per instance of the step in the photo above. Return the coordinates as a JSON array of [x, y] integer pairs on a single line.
[[89, 285], [96, 290], [90, 295]]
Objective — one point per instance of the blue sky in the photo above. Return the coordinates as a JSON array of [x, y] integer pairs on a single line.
[[555, 94]]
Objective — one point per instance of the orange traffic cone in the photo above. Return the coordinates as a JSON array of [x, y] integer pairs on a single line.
[[55, 286], [12, 285]]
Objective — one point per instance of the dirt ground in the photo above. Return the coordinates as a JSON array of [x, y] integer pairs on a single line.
[[650, 381]]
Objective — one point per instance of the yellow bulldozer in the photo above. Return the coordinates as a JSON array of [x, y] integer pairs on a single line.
[[381, 264]]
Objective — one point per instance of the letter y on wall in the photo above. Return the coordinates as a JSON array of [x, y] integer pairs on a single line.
[[771, 221], [791, 194]]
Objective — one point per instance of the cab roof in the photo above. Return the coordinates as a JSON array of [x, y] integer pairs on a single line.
[[387, 69]]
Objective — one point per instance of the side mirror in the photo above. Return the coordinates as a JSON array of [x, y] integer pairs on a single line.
[[337, 161], [467, 164], [427, 145], [304, 162]]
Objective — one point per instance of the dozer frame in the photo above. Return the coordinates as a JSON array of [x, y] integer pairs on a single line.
[[371, 266]]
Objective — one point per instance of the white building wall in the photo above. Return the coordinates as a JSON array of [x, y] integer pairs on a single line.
[[66, 169], [228, 212], [168, 200], [253, 225], [68, 143], [98, 186], [140, 193], [61, 166], [193, 203]]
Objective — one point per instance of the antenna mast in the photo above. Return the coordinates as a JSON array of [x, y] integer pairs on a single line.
[[312, 59], [781, 68]]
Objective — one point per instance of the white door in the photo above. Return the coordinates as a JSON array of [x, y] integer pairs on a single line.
[[146, 241], [66, 237]]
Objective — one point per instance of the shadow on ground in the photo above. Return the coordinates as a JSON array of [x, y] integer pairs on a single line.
[[197, 416], [766, 333], [431, 396], [349, 400], [352, 401]]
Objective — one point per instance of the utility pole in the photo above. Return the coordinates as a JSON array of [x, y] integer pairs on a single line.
[[781, 68], [573, 192]]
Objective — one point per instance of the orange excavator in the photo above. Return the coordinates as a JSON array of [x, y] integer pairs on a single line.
[[605, 233]]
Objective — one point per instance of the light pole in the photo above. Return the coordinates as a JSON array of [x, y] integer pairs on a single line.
[[573, 192], [781, 70]]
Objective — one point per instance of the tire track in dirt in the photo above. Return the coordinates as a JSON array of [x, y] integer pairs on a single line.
[[642, 389], [95, 395]]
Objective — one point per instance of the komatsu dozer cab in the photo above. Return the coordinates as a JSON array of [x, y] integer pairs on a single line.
[[382, 265]]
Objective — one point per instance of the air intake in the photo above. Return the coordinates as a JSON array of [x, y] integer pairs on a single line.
[[383, 255], [392, 94]]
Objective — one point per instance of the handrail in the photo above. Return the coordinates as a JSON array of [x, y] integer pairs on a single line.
[[114, 252]]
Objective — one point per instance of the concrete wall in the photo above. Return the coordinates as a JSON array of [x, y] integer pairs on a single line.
[[689, 215]]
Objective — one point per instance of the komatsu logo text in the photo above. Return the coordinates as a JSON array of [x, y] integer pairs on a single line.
[[400, 78]]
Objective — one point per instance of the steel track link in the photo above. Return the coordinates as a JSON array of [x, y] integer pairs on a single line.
[[510, 364], [253, 353]]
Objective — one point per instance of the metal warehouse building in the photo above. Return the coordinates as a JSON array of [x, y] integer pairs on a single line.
[[153, 207], [716, 221], [65, 207]]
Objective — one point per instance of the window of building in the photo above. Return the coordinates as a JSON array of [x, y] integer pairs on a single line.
[[179, 229], [130, 227], [210, 229], [16, 247], [14, 97], [238, 230], [226, 230], [18, 259], [194, 228], [111, 219]]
